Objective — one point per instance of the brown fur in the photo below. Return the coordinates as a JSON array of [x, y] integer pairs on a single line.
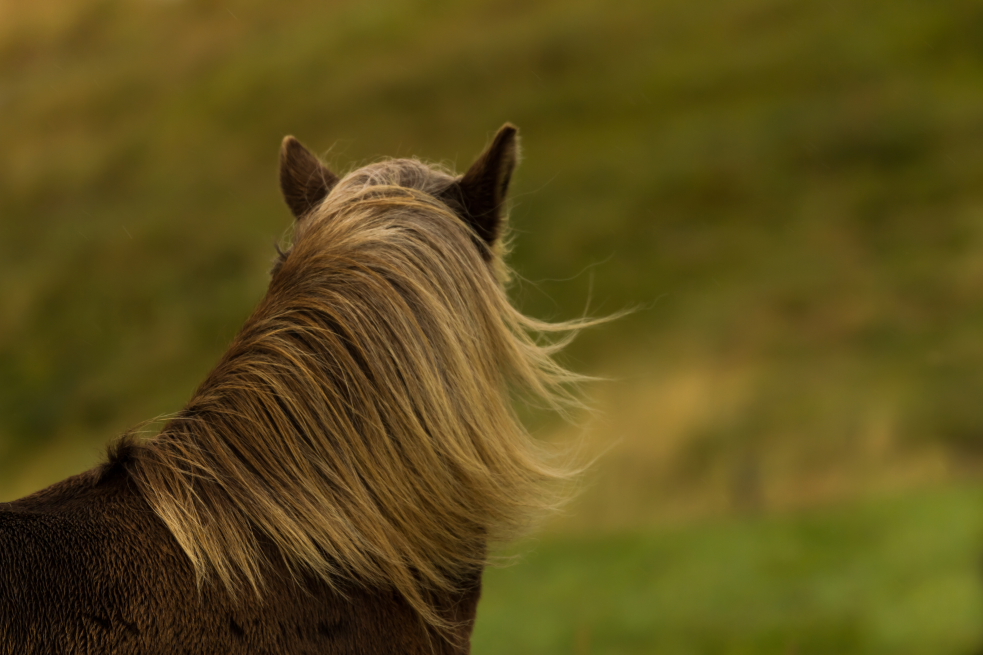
[[347, 463], [86, 567]]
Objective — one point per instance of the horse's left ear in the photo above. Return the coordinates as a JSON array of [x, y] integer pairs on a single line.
[[483, 189], [304, 180]]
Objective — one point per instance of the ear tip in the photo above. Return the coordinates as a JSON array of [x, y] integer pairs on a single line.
[[508, 130], [289, 143]]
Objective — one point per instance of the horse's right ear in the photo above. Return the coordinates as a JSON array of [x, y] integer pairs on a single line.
[[482, 191], [304, 180]]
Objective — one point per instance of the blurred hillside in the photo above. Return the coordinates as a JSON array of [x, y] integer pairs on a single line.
[[789, 192]]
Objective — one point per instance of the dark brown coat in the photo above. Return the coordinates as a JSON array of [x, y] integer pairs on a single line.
[[86, 567]]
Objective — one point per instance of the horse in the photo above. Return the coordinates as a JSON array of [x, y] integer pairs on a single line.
[[336, 482]]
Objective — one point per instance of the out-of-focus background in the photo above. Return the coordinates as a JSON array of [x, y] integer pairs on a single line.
[[790, 194]]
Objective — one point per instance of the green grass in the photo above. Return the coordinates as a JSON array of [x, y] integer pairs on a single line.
[[897, 576]]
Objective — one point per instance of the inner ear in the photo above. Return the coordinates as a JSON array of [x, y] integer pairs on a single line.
[[304, 180], [482, 191]]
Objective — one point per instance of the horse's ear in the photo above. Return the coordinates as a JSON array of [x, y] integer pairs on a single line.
[[482, 190], [304, 180]]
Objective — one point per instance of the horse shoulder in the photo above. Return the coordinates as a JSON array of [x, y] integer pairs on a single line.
[[79, 564]]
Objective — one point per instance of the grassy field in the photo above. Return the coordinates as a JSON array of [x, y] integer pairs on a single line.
[[789, 194], [895, 576]]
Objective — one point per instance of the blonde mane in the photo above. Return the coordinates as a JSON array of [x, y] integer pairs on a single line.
[[362, 421]]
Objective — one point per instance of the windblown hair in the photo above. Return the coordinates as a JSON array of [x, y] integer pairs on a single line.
[[361, 425]]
